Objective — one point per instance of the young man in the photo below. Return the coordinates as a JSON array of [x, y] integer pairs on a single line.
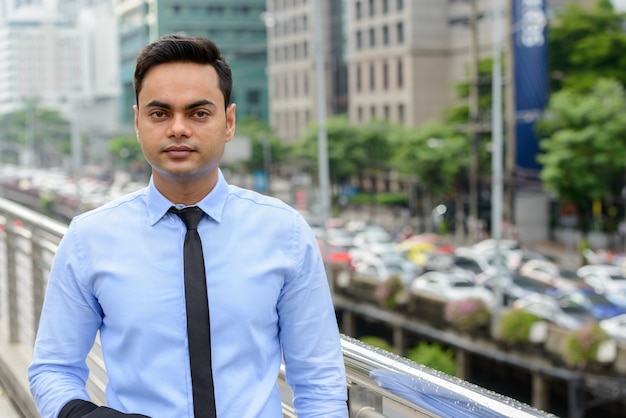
[[120, 270]]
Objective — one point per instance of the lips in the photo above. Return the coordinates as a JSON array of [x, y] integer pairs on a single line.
[[178, 151]]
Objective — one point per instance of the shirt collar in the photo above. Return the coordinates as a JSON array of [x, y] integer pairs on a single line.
[[212, 204]]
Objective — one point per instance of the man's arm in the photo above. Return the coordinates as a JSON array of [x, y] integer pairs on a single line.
[[310, 337]]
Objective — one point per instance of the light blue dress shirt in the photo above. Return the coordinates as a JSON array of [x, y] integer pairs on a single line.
[[119, 270]]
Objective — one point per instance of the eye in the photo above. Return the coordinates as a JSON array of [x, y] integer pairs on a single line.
[[157, 114], [201, 114]]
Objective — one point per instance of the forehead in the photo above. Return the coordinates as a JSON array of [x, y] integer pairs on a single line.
[[181, 80]]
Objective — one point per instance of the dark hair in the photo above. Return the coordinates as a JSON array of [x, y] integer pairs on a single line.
[[183, 48]]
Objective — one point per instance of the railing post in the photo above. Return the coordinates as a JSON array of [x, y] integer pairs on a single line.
[[12, 284], [364, 403]]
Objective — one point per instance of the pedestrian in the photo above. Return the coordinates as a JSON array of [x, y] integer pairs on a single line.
[[121, 270]]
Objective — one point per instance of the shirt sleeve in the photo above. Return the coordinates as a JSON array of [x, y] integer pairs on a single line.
[[70, 319], [309, 334]]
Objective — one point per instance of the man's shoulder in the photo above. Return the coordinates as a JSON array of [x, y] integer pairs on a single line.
[[256, 198]]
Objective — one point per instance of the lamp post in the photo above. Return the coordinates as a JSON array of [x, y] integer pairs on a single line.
[[322, 135], [496, 159]]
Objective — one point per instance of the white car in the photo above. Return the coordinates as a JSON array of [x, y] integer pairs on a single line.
[[450, 286], [553, 275], [548, 308], [603, 277], [615, 327]]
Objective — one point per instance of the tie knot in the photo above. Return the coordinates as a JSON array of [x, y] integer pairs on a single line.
[[191, 216]]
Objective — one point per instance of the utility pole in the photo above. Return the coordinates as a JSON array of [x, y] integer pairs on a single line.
[[474, 172], [510, 122]]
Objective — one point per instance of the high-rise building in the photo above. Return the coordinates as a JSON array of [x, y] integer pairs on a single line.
[[236, 27], [291, 71]]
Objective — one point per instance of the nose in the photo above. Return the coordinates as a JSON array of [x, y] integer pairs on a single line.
[[179, 127]]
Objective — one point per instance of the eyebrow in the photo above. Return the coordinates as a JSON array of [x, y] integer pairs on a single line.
[[193, 105]]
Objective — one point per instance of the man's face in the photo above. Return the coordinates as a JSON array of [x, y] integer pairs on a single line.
[[181, 123]]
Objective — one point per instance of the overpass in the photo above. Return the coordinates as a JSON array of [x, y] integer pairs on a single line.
[[380, 383]]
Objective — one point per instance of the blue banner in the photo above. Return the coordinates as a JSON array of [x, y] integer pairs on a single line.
[[530, 49]]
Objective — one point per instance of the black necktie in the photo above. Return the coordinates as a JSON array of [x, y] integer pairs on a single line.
[[198, 326]]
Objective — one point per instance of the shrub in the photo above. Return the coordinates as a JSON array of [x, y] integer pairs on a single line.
[[515, 325], [377, 342], [467, 314], [581, 347], [434, 356]]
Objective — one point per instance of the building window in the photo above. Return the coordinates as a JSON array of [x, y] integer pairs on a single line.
[[359, 114], [385, 6], [372, 77], [385, 75], [359, 85], [400, 32], [400, 73], [401, 114], [253, 96], [357, 10], [359, 40], [372, 112], [372, 37], [385, 35], [371, 8], [399, 4], [386, 112]]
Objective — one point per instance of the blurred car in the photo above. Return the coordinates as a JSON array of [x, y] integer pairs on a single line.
[[381, 270], [615, 327], [449, 286], [548, 308], [603, 277], [375, 240], [553, 275], [469, 266], [597, 304], [511, 283]]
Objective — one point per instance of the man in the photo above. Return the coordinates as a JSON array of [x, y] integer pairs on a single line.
[[120, 270]]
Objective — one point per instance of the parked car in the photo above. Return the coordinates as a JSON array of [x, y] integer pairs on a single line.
[[548, 308], [512, 285], [603, 277], [596, 303], [615, 327], [379, 269], [449, 286], [553, 275]]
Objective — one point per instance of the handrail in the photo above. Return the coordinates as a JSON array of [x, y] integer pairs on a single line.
[[28, 241]]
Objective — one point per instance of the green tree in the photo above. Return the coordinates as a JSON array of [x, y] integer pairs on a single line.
[[43, 129], [586, 44], [353, 150], [583, 143], [437, 154], [127, 155], [267, 148]]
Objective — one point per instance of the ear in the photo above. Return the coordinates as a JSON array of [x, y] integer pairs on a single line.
[[136, 111], [230, 121]]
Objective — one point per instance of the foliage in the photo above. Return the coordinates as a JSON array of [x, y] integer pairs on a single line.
[[46, 130], [581, 347], [261, 136], [597, 51], [377, 342], [352, 149], [384, 199], [434, 356], [126, 151], [467, 314], [515, 325], [582, 139], [435, 153]]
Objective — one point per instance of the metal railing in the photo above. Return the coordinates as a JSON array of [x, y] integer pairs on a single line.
[[380, 383]]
